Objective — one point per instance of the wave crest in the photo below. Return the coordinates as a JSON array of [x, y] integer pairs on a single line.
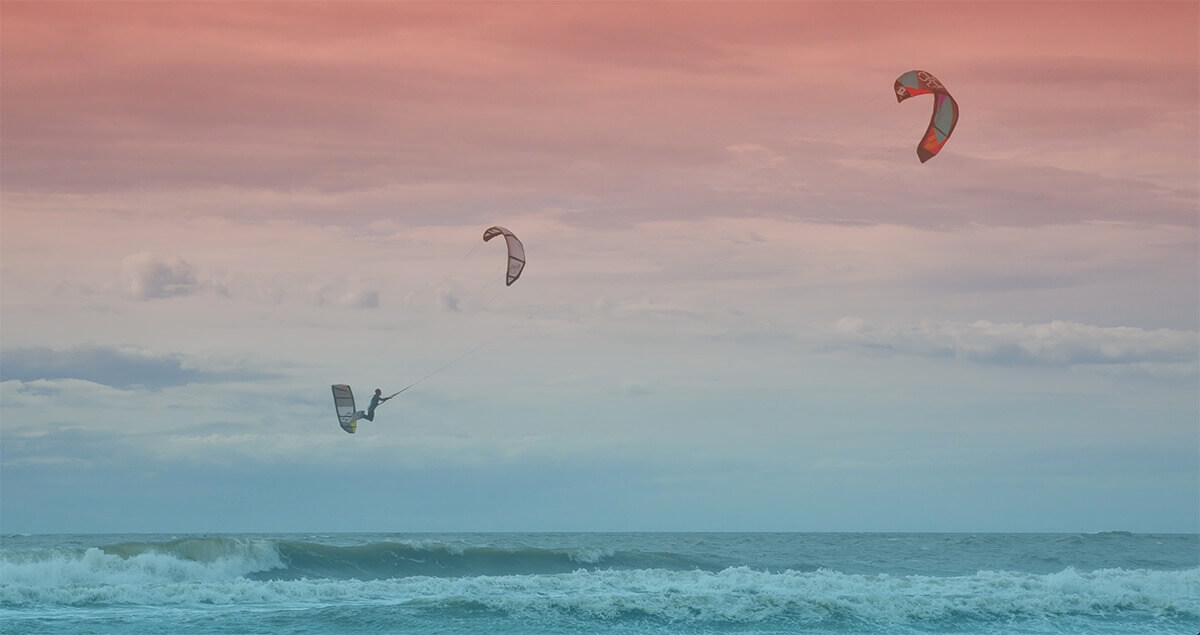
[[184, 560]]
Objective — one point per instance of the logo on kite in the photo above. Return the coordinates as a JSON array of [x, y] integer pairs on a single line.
[[516, 252], [945, 110]]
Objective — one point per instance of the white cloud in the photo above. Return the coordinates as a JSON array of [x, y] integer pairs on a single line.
[[119, 367], [448, 300], [349, 294], [1057, 343], [360, 299], [145, 276]]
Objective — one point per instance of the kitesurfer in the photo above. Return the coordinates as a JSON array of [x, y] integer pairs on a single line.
[[376, 399]]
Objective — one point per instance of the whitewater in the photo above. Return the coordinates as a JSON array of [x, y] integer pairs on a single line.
[[601, 583]]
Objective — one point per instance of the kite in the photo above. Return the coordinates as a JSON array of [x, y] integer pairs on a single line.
[[945, 110], [516, 252], [343, 403]]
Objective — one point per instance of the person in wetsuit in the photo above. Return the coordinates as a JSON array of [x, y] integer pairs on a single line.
[[377, 399]]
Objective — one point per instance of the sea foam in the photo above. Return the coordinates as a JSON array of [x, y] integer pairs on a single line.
[[421, 583]]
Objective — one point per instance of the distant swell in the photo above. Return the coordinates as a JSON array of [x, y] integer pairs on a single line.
[[387, 560]]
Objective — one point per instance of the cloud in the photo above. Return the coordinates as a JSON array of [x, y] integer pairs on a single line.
[[308, 283], [112, 366], [636, 388], [64, 444], [755, 156], [145, 276], [698, 123], [360, 299], [448, 300], [1057, 343], [349, 294]]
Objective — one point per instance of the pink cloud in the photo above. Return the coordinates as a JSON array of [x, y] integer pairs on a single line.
[[625, 110]]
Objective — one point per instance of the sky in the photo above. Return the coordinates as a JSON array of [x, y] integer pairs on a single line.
[[747, 305]]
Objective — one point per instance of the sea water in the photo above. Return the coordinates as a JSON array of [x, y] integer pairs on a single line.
[[601, 583]]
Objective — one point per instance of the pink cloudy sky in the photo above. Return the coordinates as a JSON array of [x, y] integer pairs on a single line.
[[217, 209]]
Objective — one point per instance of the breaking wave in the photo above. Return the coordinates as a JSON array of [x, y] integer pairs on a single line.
[[584, 586]]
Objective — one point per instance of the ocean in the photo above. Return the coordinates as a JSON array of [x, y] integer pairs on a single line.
[[601, 583]]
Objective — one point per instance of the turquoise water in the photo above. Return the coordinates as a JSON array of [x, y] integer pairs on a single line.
[[601, 583]]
